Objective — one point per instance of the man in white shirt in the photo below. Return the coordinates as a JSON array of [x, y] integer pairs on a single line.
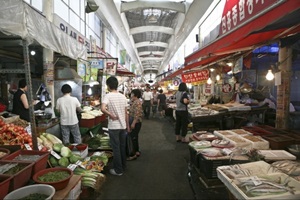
[[67, 107], [147, 102], [115, 105]]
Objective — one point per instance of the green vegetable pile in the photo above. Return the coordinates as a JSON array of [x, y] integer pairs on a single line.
[[54, 176], [35, 196], [15, 170]]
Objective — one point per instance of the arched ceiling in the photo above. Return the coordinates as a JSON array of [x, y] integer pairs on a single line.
[[152, 31]]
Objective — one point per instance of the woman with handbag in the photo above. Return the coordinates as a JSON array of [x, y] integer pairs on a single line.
[[135, 121], [182, 100]]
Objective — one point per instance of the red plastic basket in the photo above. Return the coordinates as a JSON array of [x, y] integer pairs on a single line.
[[4, 185], [20, 178], [39, 164]]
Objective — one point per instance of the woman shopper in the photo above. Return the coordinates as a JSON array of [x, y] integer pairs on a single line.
[[20, 102], [135, 121], [182, 100], [115, 106], [161, 103]]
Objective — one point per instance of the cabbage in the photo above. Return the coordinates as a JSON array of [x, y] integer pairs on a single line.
[[65, 152], [64, 162], [74, 158], [57, 147]]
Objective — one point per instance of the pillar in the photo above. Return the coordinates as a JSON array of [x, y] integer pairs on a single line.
[[284, 89], [48, 55]]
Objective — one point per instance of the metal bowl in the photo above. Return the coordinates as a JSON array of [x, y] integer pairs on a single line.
[[294, 149]]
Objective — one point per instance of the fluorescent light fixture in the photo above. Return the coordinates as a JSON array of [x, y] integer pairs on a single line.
[[230, 64], [218, 77], [270, 75]]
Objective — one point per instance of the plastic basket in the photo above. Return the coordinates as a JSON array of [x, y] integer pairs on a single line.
[[4, 185], [20, 178], [39, 164], [89, 123]]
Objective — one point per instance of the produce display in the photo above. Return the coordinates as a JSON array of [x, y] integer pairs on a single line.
[[99, 141], [11, 134], [35, 196], [11, 168], [54, 176]]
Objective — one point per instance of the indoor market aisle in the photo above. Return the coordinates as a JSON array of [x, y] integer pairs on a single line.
[[159, 173]]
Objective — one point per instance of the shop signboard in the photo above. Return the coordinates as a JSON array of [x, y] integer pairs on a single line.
[[110, 66], [238, 12], [197, 76]]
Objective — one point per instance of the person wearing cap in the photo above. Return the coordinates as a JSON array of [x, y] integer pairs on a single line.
[[67, 106], [20, 101]]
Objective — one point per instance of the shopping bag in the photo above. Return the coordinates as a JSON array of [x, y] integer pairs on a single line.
[[130, 151]]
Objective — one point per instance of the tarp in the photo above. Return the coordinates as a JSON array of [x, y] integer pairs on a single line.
[[19, 19]]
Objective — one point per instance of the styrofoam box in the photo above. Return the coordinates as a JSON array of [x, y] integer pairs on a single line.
[[263, 170], [262, 144], [277, 155], [83, 154]]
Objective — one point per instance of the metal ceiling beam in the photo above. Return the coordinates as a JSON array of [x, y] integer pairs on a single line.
[[145, 53], [175, 6], [147, 44], [151, 58], [143, 29]]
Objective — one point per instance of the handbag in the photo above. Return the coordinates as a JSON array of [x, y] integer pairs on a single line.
[[130, 151]]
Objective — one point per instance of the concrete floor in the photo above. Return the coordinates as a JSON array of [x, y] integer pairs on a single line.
[[163, 171], [159, 173]]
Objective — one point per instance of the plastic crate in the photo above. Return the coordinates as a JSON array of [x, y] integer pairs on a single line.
[[4, 185], [39, 164], [256, 130], [209, 167], [20, 178], [100, 119], [278, 141], [194, 157], [87, 123]]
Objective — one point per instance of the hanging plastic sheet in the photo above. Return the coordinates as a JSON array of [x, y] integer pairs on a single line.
[[18, 18]]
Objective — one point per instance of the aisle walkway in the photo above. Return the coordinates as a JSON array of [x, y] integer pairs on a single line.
[[159, 173]]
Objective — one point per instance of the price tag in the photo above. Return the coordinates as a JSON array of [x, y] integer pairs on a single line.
[[227, 151], [27, 146], [28, 129], [72, 166], [79, 163], [92, 135], [53, 153], [256, 180]]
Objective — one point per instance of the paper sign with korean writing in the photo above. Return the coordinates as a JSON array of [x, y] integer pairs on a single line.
[[238, 12], [197, 76], [110, 67]]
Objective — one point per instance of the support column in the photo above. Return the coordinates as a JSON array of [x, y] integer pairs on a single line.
[[48, 55], [284, 89]]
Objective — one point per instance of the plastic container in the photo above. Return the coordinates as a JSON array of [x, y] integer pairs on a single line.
[[4, 185], [39, 164], [278, 141], [88, 123], [100, 119], [31, 189], [20, 178], [58, 185], [4, 153]]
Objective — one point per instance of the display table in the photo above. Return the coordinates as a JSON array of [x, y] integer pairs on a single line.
[[72, 191]]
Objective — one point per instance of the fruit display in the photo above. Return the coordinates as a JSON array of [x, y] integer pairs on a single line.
[[11, 134]]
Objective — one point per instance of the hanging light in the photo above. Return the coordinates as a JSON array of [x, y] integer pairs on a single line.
[[89, 92], [32, 52], [209, 81], [270, 75], [218, 77], [212, 69], [152, 18]]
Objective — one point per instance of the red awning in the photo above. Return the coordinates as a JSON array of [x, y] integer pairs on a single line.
[[277, 23], [122, 71]]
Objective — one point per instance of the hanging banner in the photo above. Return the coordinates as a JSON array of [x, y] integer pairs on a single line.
[[237, 12], [197, 76], [110, 67]]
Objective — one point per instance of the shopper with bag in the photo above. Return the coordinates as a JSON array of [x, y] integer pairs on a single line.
[[182, 100], [135, 121], [114, 105]]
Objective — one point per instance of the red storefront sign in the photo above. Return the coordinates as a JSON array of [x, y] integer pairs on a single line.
[[196, 76], [237, 12]]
